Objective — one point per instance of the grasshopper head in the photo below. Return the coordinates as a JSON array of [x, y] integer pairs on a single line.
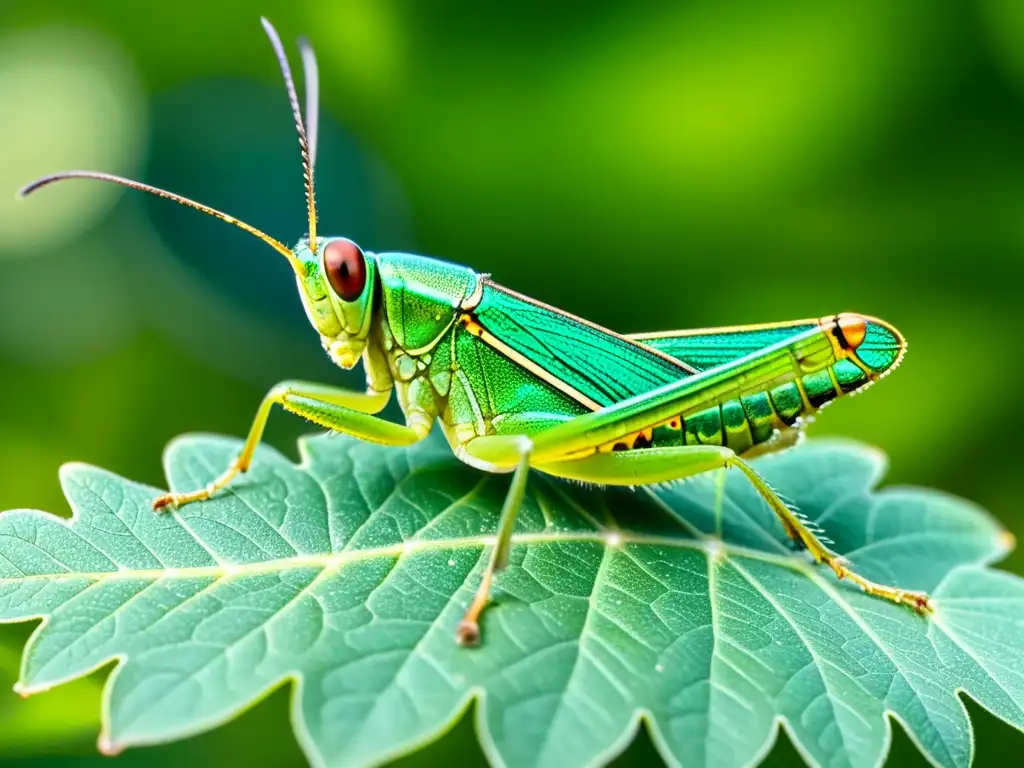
[[337, 289]]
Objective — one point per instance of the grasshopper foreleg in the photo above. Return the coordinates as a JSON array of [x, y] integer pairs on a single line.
[[331, 407]]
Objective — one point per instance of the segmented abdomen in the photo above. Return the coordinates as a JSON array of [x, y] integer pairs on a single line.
[[754, 418]]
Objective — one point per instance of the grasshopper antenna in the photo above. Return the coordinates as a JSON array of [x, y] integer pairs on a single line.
[[277, 245], [293, 99], [311, 84]]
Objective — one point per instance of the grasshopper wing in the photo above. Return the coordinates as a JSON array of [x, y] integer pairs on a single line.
[[599, 364]]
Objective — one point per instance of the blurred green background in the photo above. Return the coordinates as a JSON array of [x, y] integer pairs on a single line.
[[647, 165]]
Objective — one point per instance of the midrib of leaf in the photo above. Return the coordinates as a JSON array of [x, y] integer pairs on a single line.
[[610, 538]]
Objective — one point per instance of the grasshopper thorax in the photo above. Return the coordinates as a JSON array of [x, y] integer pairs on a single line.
[[337, 289]]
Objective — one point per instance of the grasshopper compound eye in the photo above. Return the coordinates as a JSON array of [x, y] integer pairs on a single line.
[[345, 266]]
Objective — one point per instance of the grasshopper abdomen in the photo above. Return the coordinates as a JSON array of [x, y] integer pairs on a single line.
[[860, 351]]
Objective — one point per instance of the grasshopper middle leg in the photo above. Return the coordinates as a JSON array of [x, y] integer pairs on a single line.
[[331, 407]]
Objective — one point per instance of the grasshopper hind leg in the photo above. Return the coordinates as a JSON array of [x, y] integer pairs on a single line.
[[656, 465], [799, 530]]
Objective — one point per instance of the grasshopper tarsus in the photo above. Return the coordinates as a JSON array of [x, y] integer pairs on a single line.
[[164, 503], [173, 501], [920, 602], [923, 604], [468, 633], [169, 502]]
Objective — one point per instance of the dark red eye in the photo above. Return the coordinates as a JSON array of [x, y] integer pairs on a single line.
[[346, 269]]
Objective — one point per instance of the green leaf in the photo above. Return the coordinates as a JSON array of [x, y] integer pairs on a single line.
[[346, 576]]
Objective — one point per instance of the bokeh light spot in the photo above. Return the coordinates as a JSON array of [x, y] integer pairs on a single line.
[[70, 100]]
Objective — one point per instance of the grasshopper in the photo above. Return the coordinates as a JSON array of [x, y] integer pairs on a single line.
[[519, 385]]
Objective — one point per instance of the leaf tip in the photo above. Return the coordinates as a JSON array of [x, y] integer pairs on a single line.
[[108, 747], [25, 690], [1007, 540]]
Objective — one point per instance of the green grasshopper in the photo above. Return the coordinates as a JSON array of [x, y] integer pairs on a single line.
[[519, 385]]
